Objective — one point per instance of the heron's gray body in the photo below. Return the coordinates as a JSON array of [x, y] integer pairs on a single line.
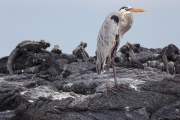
[[110, 35]]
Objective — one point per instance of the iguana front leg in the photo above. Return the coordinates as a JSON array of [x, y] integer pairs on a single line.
[[134, 60], [44, 50], [133, 57], [165, 61]]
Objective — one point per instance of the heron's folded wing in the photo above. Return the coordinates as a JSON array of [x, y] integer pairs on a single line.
[[107, 36]]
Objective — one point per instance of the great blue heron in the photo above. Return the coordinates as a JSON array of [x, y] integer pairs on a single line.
[[110, 35]]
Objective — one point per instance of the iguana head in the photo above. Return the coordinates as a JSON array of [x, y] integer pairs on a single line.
[[83, 44], [44, 44]]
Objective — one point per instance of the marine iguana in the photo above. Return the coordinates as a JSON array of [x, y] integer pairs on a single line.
[[169, 53], [56, 49], [23, 47], [80, 51], [128, 50]]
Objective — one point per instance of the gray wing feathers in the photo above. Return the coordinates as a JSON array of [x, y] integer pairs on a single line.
[[105, 41]]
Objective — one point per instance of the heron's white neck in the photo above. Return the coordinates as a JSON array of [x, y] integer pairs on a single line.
[[126, 21]]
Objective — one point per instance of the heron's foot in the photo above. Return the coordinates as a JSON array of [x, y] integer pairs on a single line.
[[121, 87], [113, 90], [117, 88]]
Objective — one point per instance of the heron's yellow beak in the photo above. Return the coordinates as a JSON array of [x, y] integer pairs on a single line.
[[135, 10]]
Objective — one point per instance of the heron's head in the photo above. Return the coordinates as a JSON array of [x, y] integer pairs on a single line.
[[130, 9]]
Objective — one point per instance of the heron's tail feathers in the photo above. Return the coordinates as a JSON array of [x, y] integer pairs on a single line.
[[98, 67]]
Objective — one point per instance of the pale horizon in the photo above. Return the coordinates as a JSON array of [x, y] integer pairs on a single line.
[[67, 23]]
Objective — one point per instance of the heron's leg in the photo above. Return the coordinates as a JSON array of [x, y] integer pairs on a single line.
[[113, 89], [103, 65], [114, 71], [108, 66], [117, 86]]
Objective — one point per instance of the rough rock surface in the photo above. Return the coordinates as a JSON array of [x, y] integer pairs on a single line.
[[66, 88]]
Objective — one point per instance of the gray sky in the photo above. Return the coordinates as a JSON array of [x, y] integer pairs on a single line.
[[69, 22]]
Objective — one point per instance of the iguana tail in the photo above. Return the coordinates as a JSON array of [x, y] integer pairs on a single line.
[[11, 58]]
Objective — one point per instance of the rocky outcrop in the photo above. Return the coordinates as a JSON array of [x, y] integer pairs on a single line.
[[61, 86]]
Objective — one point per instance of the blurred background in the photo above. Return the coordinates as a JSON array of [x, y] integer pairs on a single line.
[[67, 23]]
